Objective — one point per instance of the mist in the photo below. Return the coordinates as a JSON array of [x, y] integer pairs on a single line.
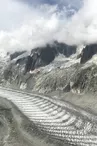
[[26, 25]]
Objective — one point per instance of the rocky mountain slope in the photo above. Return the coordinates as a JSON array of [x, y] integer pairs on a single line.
[[54, 67], [66, 72]]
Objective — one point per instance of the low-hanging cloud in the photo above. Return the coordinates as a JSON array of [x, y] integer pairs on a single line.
[[83, 25], [25, 27]]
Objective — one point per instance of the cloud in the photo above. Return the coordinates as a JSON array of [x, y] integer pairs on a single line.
[[24, 26], [75, 3], [83, 26]]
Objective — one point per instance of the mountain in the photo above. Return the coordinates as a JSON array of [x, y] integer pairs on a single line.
[[42, 56], [54, 67], [88, 52], [65, 72]]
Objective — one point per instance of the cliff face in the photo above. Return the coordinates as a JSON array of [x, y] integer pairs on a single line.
[[44, 72], [43, 56], [88, 52]]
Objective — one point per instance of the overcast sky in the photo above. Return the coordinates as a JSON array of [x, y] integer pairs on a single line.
[[26, 24], [75, 3], [13, 12]]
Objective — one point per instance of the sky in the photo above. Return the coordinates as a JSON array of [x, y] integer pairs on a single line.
[[26, 24], [13, 12]]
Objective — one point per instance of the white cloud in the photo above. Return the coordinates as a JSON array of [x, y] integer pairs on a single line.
[[29, 27], [83, 26], [24, 27]]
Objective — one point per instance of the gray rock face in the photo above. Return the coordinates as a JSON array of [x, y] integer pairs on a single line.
[[74, 78], [16, 54], [88, 52], [45, 55]]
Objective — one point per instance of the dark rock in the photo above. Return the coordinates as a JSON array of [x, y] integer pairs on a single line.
[[41, 56], [79, 55], [88, 52], [45, 55], [48, 55], [28, 63], [67, 88], [16, 54], [7, 74], [65, 49], [21, 61]]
